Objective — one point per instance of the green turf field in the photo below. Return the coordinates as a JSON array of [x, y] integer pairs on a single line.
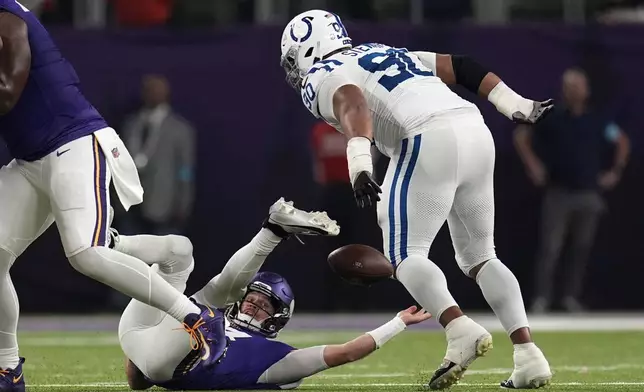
[[606, 361]]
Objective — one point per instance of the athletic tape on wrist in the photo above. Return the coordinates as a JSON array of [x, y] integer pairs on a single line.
[[386, 332]]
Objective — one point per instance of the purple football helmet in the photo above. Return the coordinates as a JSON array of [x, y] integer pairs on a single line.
[[277, 289]]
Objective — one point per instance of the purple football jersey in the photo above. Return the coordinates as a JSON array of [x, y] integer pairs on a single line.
[[51, 111], [248, 356]]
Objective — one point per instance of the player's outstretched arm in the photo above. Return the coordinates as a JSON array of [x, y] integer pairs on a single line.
[[360, 347], [15, 60], [302, 363], [463, 70], [230, 285]]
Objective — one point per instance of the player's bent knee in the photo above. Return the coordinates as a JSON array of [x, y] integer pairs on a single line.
[[397, 266], [179, 253], [472, 272], [88, 262], [472, 269], [471, 264], [179, 245], [411, 252]]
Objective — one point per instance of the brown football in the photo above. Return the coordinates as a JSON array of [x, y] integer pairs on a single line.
[[360, 265]]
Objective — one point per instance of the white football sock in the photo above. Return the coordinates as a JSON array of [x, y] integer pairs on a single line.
[[229, 286], [502, 292], [426, 283], [133, 278], [9, 311]]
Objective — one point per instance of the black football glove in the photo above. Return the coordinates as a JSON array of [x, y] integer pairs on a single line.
[[539, 111], [365, 190]]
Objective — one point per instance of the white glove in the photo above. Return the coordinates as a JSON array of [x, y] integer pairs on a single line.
[[517, 108]]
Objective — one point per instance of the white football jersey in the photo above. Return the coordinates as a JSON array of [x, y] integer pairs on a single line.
[[401, 91]]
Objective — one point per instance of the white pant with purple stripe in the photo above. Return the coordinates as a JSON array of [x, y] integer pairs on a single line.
[[69, 186], [445, 173]]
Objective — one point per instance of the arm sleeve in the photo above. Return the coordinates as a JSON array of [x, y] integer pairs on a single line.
[[230, 285], [428, 59], [469, 73], [218, 294], [295, 366]]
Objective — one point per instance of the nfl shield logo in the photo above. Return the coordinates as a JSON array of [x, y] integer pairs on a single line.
[[115, 152]]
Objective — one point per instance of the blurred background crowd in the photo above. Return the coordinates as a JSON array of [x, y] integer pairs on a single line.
[[208, 13], [195, 90]]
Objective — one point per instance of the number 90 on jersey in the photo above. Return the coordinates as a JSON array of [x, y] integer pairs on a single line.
[[308, 95]]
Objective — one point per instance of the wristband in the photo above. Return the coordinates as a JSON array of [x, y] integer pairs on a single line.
[[359, 156], [385, 332], [508, 102]]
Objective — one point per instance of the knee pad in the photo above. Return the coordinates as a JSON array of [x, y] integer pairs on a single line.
[[179, 245], [180, 248]]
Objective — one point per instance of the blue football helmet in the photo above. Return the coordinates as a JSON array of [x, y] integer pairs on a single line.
[[277, 289]]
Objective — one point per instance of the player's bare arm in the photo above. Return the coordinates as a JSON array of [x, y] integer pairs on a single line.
[[467, 72], [360, 347], [351, 110], [15, 60]]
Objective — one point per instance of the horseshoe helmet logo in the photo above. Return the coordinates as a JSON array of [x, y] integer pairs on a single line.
[[309, 30]]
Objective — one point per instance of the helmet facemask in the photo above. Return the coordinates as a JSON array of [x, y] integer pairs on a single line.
[[296, 68], [289, 63], [272, 324]]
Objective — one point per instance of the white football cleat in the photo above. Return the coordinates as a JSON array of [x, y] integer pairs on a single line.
[[466, 341], [297, 222], [531, 369]]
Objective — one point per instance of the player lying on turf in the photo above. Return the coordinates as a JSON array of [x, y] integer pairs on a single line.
[[252, 307], [441, 169]]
